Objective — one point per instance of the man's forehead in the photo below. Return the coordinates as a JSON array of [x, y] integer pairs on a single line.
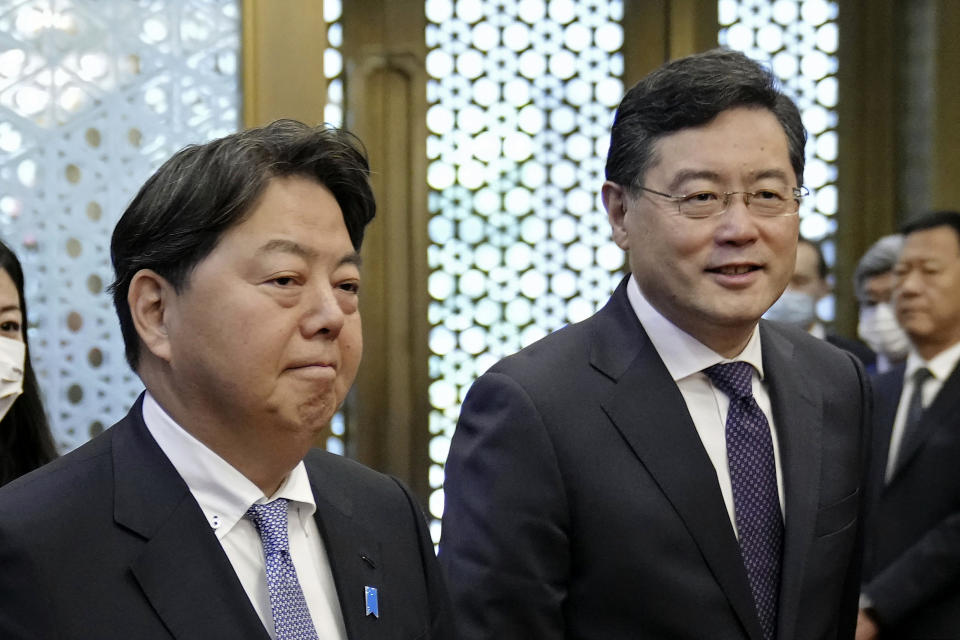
[[934, 242], [688, 161]]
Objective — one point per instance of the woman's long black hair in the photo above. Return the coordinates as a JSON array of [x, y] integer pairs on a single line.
[[25, 440]]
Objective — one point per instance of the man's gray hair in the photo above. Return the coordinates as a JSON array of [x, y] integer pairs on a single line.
[[880, 258]]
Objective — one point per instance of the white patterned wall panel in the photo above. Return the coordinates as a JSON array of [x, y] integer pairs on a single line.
[[521, 95], [94, 95]]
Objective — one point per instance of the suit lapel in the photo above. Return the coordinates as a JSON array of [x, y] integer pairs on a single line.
[[183, 570], [647, 408], [353, 551], [798, 419], [942, 412], [887, 389]]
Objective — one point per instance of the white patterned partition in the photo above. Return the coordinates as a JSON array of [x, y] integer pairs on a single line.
[[94, 95], [522, 97]]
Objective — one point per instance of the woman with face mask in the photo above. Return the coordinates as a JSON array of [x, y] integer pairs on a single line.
[[25, 440], [873, 281]]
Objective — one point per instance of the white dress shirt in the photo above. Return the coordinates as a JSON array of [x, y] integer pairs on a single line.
[[941, 366], [686, 358], [224, 495]]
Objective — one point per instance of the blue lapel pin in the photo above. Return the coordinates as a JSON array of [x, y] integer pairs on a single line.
[[373, 607]]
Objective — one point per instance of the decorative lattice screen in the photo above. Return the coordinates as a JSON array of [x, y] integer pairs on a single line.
[[522, 97], [93, 97]]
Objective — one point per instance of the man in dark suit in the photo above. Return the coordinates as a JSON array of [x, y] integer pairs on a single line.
[[912, 571], [204, 513], [671, 467]]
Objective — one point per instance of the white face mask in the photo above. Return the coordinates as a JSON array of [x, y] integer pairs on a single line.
[[13, 354], [879, 329], [794, 307]]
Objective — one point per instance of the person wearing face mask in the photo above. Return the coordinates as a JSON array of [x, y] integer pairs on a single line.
[[911, 587], [873, 282], [798, 304], [25, 440]]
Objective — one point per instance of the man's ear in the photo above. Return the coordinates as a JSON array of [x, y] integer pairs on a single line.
[[614, 198], [149, 298]]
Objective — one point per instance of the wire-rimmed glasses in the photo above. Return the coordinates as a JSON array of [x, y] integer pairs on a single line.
[[769, 203]]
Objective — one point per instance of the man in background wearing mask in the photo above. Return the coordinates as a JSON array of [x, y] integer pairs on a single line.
[[912, 565], [798, 304], [873, 283]]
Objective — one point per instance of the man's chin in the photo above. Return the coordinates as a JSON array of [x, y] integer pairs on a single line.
[[314, 415]]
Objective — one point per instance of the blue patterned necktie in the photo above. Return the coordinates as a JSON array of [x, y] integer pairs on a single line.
[[291, 617], [756, 502]]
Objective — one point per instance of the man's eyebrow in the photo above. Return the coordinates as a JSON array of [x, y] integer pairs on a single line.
[[771, 173], [351, 258], [691, 174], [10, 307], [280, 245], [706, 174]]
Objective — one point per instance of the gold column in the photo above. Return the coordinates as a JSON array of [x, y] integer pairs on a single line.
[[945, 180], [866, 161], [384, 52], [655, 31], [282, 61]]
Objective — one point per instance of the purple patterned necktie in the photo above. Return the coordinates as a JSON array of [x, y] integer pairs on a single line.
[[756, 502], [291, 617]]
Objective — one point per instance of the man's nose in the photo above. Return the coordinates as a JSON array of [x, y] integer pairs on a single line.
[[911, 283], [323, 314], [737, 224]]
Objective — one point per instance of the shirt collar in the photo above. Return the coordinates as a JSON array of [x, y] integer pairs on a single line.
[[223, 493], [817, 330], [941, 365], [683, 354]]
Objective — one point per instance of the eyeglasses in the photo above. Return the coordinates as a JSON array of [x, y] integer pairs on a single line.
[[769, 203]]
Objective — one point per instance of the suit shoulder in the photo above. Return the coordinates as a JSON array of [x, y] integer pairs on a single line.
[[810, 347], [558, 349], [69, 470], [340, 478], [864, 353], [67, 490]]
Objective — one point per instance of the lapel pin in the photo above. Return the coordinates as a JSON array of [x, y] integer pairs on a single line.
[[373, 607]]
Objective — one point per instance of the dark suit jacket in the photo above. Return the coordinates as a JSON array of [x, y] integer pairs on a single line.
[[913, 561], [108, 542], [580, 502], [866, 355]]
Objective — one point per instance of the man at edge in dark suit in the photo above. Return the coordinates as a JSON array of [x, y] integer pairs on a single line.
[[204, 513], [912, 571], [672, 467]]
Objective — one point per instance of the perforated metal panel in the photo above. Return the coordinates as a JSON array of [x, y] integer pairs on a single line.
[[94, 96], [522, 97]]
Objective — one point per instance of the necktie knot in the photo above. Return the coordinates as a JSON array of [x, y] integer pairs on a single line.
[[270, 519], [735, 379], [920, 376]]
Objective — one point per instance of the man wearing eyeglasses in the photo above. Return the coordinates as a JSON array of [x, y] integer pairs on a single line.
[[672, 467]]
